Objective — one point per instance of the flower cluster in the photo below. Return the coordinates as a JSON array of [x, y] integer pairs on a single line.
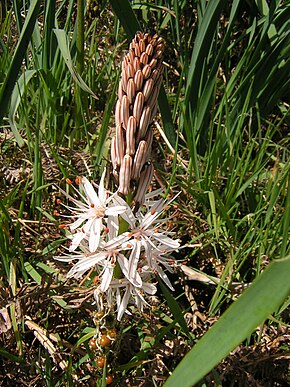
[[119, 236], [124, 262]]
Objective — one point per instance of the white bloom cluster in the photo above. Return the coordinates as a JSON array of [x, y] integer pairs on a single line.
[[125, 260]]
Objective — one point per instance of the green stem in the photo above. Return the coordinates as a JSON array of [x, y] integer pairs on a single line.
[[123, 227]]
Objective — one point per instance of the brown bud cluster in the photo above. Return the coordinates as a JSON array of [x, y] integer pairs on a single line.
[[135, 110]]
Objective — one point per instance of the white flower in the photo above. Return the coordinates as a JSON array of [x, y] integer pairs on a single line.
[[91, 211], [123, 290], [145, 235], [154, 262], [125, 263], [103, 260]]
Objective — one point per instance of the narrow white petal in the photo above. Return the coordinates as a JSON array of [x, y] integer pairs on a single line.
[[164, 277], [115, 210], [135, 279], [77, 223], [102, 191], [95, 234], [128, 215], [107, 277], [134, 259], [165, 240], [113, 226], [86, 264], [117, 242], [149, 288], [124, 303], [76, 240], [90, 192]]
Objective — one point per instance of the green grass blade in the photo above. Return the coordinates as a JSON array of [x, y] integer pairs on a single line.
[[252, 308], [126, 15], [16, 96], [174, 307], [64, 49], [14, 68], [204, 38]]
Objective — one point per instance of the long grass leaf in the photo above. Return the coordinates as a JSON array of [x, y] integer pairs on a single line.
[[244, 315], [64, 49], [16, 96], [21, 47], [175, 308], [204, 38]]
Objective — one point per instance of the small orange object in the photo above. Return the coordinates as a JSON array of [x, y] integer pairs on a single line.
[[104, 341], [68, 180], [112, 333], [101, 361], [93, 344], [109, 379]]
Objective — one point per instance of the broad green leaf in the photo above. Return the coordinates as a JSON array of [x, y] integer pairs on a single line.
[[262, 298]]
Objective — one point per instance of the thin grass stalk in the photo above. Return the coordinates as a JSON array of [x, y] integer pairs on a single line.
[[49, 38], [79, 97]]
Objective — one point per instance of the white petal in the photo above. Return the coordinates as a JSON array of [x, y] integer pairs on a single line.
[[76, 240], [165, 240], [113, 226], [135, 279], [102, 191], [85, 264], [115, 210], [128, 215], [117, 242], [90, 192], [95, 234], [134, 259], [164, 277], [107, 277], [77, 223], [124, 303], [149, 288]]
